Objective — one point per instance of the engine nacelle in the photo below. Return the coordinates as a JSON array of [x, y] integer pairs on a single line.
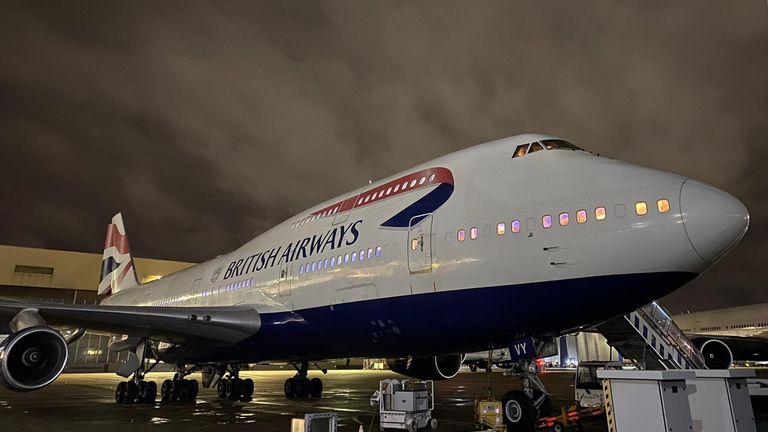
[[428, 368], [716, 354], [32, 358]]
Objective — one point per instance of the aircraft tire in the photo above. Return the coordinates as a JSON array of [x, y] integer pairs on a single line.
[[234, 389], [290, 387], [221, 387], [133, 392], [303, 387], [247, 389], [315, 387], [519, 412], [120, 391], [166, 391], [151, 392]]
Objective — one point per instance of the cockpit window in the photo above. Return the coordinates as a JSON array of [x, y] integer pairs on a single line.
[[535, 147], [520, 150], [559, 145]]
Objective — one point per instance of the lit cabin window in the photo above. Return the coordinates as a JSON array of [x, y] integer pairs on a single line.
[[367, 197], [389, 190], [325, 263], [362, 255], [319, 264], [535, 147], [381, 193], [346, 258], [370, 253], [546, 221], [520, 151], [360, 201], [460, 235], [600, 213], [313, 266], [333, 261], [378, 251], [397, 188], [581, 216], [338, 260], [431, 178], [301, 269], [354, 256], [501, 228], [473, 233], [564, 219], [515, 226], [641, 208], [422, 180], [662, 205], [413, 182], [405, 184]]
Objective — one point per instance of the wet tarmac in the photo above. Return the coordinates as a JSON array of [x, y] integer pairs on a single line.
[[85, 403]]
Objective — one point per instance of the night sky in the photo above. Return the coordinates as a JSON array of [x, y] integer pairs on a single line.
[[208, 123]]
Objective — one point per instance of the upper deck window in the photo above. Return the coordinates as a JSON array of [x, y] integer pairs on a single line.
[[559, 145]]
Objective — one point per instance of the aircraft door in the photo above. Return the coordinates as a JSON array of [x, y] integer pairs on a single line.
[[420, 244], [284, 283]]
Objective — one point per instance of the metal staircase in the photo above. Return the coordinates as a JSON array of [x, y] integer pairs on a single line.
[[650, 338]]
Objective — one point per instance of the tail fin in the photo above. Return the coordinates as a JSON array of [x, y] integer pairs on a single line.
[[117, 269]]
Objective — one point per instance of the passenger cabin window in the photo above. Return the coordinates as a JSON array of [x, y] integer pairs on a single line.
[[662, 205], [559, 145], [515, 226], [564, 219], [581, 216], [460, 235], [501, 228], [600, 213], [546, 221], [641, 208], [473, 233]]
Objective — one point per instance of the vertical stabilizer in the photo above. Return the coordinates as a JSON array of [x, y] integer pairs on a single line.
[[117, 269]]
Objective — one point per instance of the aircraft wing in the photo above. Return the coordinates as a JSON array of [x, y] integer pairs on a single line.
[[221, 325], [743, 348]]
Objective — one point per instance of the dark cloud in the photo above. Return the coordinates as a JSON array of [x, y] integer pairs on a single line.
[[207, 123]]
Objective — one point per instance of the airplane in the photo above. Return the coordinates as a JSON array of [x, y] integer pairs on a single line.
[[730, 334], [514, 241]]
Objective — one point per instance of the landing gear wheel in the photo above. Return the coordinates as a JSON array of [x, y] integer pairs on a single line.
[[247, 389], [290, 388], [120, 391], [558, 427], [166, 391], [303, 386], [519, 412], [234, 389], [193, 390], [150, 393], [221, 387], [315, 387], [132, 393], [432, 424]]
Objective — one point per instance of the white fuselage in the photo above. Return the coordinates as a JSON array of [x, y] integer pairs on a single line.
[[530, 270]]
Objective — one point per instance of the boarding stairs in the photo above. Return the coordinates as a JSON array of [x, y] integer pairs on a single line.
[[650, 338]]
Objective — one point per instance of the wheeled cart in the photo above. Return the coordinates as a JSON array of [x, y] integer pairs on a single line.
[[405, 405]]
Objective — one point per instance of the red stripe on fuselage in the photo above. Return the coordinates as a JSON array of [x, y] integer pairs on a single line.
[[114, 238], [379, 193]]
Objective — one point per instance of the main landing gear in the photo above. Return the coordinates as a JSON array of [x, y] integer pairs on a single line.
[[234, 388], [300, 386], [136, 390], [179, 389]]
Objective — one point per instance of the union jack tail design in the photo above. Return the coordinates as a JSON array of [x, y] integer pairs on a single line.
[[117, 269]]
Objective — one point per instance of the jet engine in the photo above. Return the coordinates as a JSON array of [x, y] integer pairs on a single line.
[[32, 358], [428, 368], [717, 355]]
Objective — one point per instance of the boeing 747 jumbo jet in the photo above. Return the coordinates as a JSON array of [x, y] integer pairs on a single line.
[[524, 237]]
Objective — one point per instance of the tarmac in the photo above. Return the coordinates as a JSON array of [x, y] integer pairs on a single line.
[[85, 402]]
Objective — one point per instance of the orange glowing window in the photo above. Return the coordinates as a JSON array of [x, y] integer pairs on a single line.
[[581, 216], [501, 228], [564, 219], [473, 233], [461, 235], [641, 208], [662, 205], [546, 221], [515, 226], [600, 213]]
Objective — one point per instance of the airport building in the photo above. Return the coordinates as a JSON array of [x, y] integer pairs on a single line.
[[44, 276]]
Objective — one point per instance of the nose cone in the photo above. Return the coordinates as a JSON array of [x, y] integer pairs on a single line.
[[714, 220]]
